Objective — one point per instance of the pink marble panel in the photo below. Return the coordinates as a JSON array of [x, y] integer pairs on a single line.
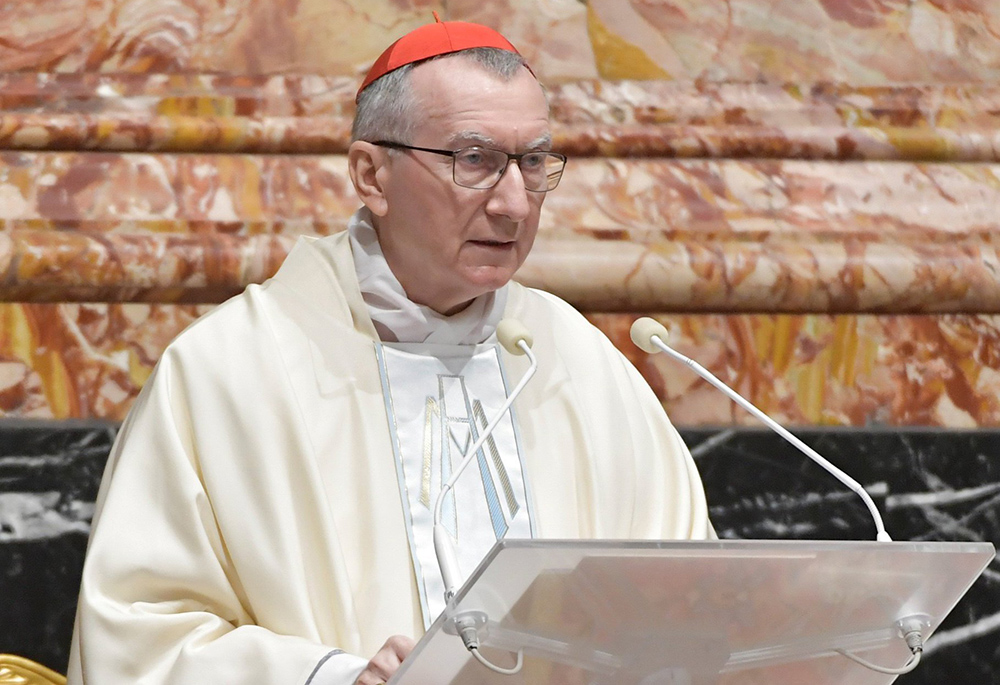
[[775, 41], [176, 193], [90, 360], [233, 36], [831, 370], [851, 41], [618, 235], [750, 227], [767, 197], [81, 360], [596, 196]]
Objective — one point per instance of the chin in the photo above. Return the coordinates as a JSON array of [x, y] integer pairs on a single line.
[[489, 279]]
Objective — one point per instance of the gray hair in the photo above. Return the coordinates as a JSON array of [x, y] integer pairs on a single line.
[[387, 107]]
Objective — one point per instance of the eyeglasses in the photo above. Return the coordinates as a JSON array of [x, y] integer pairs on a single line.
[[482, 167]]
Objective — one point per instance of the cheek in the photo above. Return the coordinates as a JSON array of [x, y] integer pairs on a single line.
[[449, 217], [524, 248], [467, 208], [530, 225]]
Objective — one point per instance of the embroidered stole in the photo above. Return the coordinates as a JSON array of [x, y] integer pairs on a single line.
[[439, 398]]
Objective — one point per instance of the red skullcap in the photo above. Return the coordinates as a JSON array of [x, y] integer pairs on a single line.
[[431, 40]]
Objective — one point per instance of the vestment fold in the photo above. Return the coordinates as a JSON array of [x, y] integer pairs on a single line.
[[249, 521]]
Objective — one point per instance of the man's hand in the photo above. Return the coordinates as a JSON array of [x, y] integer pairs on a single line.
[[386, 661]]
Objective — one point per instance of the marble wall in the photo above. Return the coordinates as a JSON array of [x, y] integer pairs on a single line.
[[929, 485], [801, 274], [733, 162], [851, 41], [804, 191]]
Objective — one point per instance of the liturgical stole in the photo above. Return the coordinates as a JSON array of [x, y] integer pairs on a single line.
[[439, 399]]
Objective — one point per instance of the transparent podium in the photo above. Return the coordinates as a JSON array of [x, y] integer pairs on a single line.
[[694, 613]]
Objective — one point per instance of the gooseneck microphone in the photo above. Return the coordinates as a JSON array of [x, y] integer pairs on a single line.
[[517, 340], [650, 336]]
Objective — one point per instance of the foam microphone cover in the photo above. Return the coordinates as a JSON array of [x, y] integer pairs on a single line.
[[510, 332], [642, 332]]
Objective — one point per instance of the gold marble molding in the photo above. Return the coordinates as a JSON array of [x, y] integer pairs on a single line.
[[681, 273], [687, 119], [617, 235], [175, 133], [248, 194], [76, 266], [761, 273]]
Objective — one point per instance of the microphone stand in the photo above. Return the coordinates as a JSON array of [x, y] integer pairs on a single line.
[[517, 340]]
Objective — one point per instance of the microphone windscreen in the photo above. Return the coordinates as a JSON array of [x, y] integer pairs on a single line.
[[642, 332], [510, 332]]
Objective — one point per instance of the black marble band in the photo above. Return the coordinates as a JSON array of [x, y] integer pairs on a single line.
[[930, 484]]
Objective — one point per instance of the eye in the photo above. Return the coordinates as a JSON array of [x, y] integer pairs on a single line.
[[533, 160], [472, 158]]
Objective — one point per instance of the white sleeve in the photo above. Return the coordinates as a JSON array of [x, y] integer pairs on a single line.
[[337, 668], [161, 599]]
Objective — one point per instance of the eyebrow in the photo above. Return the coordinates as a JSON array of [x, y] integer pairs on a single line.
[[543, 141]]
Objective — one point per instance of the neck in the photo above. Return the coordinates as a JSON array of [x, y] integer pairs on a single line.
[[443, 309], [422, 293], [407, 315]]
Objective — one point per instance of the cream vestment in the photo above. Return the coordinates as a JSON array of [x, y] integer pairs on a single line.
[[250, 525]]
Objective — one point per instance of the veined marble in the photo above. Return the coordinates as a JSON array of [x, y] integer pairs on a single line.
[[617, 235], [827, 370], [312, 114], [173, 193], [76, 266], [928, 485], [90, 361], [170, 192], [705, 136], [235, 36], [673, 272], [82, 360], [853, 41]]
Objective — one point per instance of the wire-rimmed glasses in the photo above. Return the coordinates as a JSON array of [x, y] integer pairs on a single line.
[[482, 168]]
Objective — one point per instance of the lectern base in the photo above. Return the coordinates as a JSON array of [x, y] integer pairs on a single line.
[[695, 613]]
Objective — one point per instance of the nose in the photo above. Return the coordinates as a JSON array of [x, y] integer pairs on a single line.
[[508, 197]]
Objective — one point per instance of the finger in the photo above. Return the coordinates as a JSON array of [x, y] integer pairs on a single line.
[[384, 663], [367, 677], [400, 645]]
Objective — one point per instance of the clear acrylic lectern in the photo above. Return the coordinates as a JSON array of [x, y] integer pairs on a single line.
[[693, 613]]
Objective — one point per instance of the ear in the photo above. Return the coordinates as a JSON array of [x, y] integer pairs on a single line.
[[367, 166]]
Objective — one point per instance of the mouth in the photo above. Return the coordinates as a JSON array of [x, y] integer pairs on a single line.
[[495, 244]]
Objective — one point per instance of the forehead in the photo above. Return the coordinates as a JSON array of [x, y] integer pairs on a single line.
[[457, 97]]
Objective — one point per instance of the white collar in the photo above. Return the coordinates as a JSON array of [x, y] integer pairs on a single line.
[[396, 317]]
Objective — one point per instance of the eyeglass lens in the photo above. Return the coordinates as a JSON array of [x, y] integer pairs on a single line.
[[478, 167]]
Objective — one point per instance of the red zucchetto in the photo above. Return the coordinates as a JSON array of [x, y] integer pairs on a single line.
[[431, 40]]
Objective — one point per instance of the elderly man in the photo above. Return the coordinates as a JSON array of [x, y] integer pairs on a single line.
[[266, 512]]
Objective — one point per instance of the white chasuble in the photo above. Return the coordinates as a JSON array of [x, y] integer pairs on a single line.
[[439, 399], [248, 531]]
